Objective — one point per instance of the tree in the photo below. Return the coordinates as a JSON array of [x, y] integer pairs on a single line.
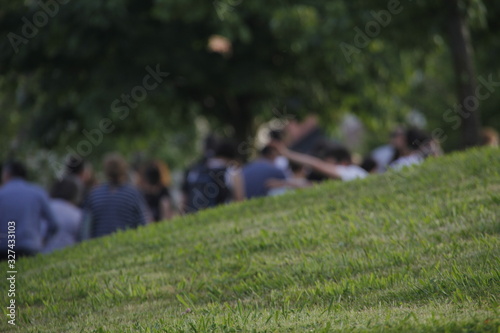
[[291, 56]]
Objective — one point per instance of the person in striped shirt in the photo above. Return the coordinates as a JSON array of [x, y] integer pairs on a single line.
[[114, 205]]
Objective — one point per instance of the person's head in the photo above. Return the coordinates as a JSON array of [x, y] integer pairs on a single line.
[[65, 189], [369, 164], [398, 138], [297, 169], [152, 174], [416, 139], [321, 147], [115, 169], [269, 153], [489, 137], [75, 165], [276, 135], [87, 176], [226, 150], [209, 145], [338, 155], [13, 169]]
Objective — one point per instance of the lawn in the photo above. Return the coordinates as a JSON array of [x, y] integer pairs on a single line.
[[416, 251]]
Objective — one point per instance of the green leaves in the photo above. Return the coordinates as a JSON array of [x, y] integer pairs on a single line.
[[284, 53], [298, 23]]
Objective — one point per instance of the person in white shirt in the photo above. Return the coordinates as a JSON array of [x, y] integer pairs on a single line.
[[386, 154], [417, 146], [337, 163], [64, 201]]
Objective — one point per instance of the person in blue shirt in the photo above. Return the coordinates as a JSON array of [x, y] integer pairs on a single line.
[[257, 173], [26, 205]]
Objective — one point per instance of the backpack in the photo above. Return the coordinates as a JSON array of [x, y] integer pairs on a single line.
[[206, 187]]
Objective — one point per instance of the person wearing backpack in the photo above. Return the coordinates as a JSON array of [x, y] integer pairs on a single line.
[[216, 181]]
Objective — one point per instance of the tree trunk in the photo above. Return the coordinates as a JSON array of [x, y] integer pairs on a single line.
[[242, 123], [463, 60]]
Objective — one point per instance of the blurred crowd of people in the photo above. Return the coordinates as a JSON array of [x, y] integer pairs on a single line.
[[77, 207]]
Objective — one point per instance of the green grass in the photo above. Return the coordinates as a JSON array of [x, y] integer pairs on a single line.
[[417, 251]]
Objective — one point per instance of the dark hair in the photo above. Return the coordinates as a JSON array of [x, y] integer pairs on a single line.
[[276, 135], [321, 147], [210, 143], [295, 167], [75, 165], [416, 138], [339, 153], [152, 174], [65, 189], [15, 169], [226, 149], [369, 164], [268, 151]]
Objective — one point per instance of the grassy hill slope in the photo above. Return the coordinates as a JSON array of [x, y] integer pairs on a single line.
[[413, 251]]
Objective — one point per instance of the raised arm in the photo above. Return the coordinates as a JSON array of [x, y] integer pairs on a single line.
[[325, 168], [166, 208], [238, 185]]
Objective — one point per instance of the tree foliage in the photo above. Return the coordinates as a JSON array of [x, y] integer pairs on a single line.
[[285, 55]]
